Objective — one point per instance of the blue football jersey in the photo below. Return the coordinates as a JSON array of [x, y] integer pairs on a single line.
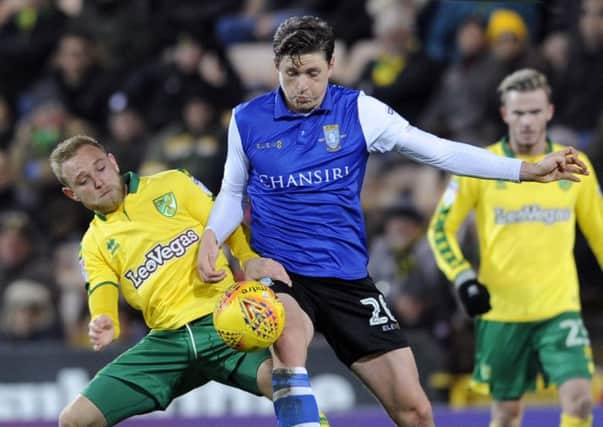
[[305, 178]]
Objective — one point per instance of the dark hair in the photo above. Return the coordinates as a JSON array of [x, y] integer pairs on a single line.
[[300, 35], [474, 19]]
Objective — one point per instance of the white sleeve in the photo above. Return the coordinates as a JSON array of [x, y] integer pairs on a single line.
[[227, 212], [385, 130]]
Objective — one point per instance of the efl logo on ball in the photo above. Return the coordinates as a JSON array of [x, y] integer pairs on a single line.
[[249, 316]]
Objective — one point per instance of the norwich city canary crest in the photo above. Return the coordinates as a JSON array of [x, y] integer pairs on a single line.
[[166, 204]]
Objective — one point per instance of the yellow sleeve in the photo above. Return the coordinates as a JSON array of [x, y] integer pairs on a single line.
[[589, 211], [201, 207], [102, 283], [103, 299], [198, 197], [454, 206], [239, 244]]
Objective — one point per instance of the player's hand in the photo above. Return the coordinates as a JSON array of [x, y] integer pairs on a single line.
[[259, 268], [206, 259], [563, 164], [101, 332], [475, 297]]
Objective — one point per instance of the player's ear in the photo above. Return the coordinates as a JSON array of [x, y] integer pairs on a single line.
[[70, 193], [113, 161], [503, 113], [550, 112], [331, 66]]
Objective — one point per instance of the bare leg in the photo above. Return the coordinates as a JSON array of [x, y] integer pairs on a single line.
[[394, 379], [291, 349], [507, 413], [81, 413], [265, 378], [576, 398]]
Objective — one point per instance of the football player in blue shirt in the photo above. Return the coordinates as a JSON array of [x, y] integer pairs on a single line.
[[299, 153]]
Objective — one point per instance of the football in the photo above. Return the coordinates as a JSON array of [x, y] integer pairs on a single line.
[[249, 316]]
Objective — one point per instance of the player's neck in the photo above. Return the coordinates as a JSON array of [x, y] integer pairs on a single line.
[[528, 149]]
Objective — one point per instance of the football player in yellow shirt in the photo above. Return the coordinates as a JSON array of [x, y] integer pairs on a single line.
[[526, 295], [143, 241]]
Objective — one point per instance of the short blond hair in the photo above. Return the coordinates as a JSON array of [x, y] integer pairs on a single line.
[[66, 149], [524, 80]]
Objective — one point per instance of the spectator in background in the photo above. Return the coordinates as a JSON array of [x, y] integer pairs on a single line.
[[9, 196], [458, 110], [196, 143], [73, 298], [6, 122], [258, 20], [580, 103], [22, 253], [128, 137], [511, 50], [350, 18], [160, 89], [29, 31], [120, 29], [447, 16], [403, 267], [28, 313], [197, 17], [35, 137], [76, 78], [400, 74]]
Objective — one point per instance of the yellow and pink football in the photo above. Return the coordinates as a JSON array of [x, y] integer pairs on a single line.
[[249, 316]]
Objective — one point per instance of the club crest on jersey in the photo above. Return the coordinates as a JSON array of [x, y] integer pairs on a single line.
[[564, 184], [166, 204], [332, 137]]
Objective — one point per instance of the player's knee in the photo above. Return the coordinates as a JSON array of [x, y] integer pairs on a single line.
[[290, 349], [581, 405], [68, 418], [419, 414], [506, 414]]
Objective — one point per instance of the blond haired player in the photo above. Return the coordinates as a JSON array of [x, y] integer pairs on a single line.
[[143, 241], [526, 294]]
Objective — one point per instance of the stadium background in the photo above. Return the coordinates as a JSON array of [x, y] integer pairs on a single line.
[[155, 80]]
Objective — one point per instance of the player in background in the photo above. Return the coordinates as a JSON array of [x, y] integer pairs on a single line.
[[300, 153], [526, 297], [143, 241]]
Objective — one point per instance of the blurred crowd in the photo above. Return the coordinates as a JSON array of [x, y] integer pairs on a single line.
[[155, 80]]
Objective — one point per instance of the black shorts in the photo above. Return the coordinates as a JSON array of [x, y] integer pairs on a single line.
[[351, 314]]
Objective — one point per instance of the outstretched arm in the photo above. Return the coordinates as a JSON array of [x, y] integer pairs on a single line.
[[385, 130]]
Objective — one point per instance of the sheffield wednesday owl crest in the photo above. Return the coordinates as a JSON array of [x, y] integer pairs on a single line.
[[332, 137]]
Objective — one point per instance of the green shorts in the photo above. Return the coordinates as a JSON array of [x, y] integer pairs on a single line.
[[167, 364], [510, 355]]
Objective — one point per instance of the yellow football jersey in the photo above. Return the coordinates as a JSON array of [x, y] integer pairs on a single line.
[[526, 238], [148, 249]]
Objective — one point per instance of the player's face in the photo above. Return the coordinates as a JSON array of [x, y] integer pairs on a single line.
[[526, 115], [304, 80], [93, 179]]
